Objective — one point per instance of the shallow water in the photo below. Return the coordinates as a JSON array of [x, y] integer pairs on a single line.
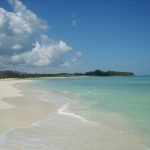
[[93, 114]]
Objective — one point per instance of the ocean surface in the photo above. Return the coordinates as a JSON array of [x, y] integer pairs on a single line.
[[93, 113]]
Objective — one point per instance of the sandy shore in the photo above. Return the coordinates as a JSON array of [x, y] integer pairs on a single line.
[[20, 108], [8, 90]]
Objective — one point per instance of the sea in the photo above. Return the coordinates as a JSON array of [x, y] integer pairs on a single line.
[[93, 113]]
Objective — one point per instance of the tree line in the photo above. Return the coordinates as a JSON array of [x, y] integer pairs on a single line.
[[16, 74]]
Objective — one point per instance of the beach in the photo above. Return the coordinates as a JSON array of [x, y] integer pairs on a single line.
[[19, 108], [50, 113]]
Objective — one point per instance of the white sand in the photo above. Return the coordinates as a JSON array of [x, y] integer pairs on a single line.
[[21, 108], [7, 90]]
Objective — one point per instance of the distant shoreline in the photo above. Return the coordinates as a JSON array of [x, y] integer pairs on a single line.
[[67, 77], [96, 73]]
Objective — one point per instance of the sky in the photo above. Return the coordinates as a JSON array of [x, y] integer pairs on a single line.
[[75, 35]]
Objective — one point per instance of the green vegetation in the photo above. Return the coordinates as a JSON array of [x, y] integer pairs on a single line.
[[12, 74], [15, 74], [108, 73]]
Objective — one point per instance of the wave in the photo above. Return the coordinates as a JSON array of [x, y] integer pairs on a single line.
[[64, 111]]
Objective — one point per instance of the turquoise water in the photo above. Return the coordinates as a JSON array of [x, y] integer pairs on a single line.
[[129, 96], [91, 113]]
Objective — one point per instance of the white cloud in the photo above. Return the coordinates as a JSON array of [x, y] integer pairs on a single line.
[[74, 20], [75, 62], [43, 54], [17, 47], [74, 23], [19, 27], [19, 31]]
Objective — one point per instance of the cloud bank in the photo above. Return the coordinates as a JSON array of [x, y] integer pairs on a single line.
[[23, 41]]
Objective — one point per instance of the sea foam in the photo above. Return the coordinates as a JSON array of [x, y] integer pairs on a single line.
[[64, 110]]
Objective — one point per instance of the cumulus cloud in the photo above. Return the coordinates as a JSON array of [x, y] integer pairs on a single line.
[[18, 28], [23, 42], [43, 54]]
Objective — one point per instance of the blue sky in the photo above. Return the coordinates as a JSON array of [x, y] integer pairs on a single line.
[[95, 34]]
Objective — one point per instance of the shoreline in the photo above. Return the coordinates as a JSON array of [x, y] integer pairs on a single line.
[[40, 114], [20, 108]]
